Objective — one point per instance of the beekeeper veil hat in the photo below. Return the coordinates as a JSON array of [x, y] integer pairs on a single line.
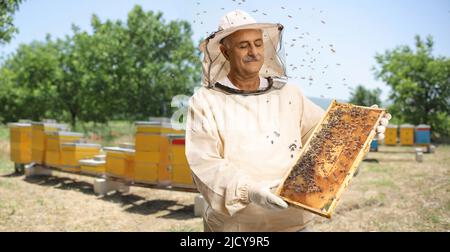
[[216, 67]]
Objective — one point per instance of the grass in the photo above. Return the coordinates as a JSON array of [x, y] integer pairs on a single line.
[[184, 229], [4, 133], [377, 200], [7, 184], [384, 182], [395, 193], [6, 166], [376, 168], [108, 134]]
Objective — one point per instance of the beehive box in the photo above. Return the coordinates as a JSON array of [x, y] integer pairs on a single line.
[[20, 142], [72, 153], [407, 134], [54, 140], [93, 166], [391, 135], [127, 145], [151, 138], [149, 142], [158, 127], [179, 167], [148, 165], [38, 139], [329, 158], [374, 145], [422, 135], [120, 162]]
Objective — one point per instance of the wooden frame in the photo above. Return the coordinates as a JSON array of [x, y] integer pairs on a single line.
[[328, 209]]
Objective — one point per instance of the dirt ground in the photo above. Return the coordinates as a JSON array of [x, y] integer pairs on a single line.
[[392, 192]]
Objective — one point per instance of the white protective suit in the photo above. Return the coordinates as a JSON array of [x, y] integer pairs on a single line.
[[230, 144], [235, 139]]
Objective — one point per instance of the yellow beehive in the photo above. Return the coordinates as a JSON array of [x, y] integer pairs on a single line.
[[391, 135], [149, 142], [177, 153], [148, 157], [38, 139], [162, 127], [407, 134], [179, 167], [127, 145], [20, 142], [181, 176], [164, 175], [72, 153], [92, 166], [120, 162], [147, 166], [54, 139], [151, 137], [101, 157], [52, 158], [145, 172]]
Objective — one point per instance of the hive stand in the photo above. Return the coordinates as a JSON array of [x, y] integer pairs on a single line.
[[430, 148], [103, 186], [37, 170], [19, 168], [200, 205], [419, 155]]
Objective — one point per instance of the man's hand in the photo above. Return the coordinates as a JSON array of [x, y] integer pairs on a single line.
[[260, 193], [381, 128]]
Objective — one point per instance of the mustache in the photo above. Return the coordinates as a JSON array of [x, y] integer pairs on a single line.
[[248, 58]]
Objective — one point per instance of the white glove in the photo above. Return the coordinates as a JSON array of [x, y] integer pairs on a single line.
[[260, 193], [381, 128]]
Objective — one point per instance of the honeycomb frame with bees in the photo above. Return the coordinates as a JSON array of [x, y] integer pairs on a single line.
[[330, 157]]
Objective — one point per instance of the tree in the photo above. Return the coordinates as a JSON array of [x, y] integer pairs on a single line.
[[27, 82], [365, 97], [7, 28], [420, 84], [164, 59], [122, 70]]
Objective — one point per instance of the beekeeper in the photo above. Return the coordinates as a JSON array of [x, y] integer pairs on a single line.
[[245, 128]]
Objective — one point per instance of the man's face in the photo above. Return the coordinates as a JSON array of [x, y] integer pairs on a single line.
[[244, 50]]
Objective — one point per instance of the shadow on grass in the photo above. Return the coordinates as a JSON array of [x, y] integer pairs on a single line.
[[134, 203], [371, 160], [14, 174], [61, 183], [183, 213], [175, 210]]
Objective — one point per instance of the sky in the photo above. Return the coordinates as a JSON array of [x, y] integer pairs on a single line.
[[355, 29]]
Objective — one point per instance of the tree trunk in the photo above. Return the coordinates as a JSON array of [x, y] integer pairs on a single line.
[[73, 119]]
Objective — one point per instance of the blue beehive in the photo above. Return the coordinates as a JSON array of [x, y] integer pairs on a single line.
[[422, 134], [374, 145]]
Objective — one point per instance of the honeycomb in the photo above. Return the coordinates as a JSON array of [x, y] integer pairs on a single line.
[[330, 157]]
